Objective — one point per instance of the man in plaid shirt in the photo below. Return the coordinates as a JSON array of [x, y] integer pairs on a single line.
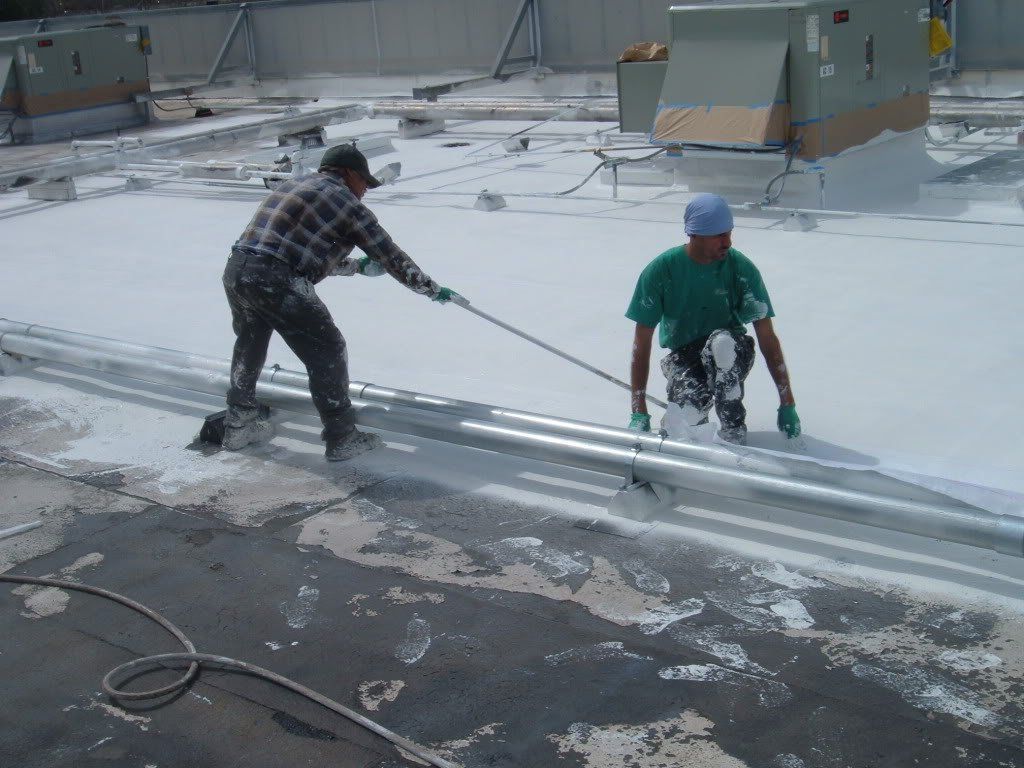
[[303, 232]]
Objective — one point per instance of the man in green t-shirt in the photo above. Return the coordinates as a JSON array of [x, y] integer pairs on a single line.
[[702, 295]]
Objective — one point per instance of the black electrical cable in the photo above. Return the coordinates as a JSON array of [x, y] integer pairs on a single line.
[[792, 150], [611, 162], [192, 658]]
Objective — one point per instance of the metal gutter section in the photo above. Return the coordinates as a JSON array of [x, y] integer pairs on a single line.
[[976, 528]]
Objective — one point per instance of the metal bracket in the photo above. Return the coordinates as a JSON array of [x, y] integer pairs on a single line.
[[510, 37], [630, 479], [13, 364], [241, 18]]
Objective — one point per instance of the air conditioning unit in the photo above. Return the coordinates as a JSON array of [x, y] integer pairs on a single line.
[[829, 75], [59, 85]]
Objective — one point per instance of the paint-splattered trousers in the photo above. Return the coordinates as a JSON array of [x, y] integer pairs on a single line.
[[266, 295], [712, 370]]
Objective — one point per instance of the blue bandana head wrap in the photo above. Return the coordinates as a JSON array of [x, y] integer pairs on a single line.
[[707, 215]]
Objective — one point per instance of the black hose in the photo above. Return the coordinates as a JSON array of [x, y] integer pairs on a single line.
[[192, 658], [611, 162], [792, 150]]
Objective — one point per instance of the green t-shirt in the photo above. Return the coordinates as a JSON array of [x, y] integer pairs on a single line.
[[692, 300]]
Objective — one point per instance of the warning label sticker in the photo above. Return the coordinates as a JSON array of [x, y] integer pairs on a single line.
[[813, 33]]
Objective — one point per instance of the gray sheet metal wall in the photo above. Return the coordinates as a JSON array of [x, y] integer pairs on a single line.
[[309, 37], [590, 34], [990, 34], [409, 35]]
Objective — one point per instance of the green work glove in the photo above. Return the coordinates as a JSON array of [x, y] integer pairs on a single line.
[[788, 421], [640, 422], [444, 296], [370, 268]]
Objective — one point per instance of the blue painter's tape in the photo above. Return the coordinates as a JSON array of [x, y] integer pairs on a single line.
[[709, 107]]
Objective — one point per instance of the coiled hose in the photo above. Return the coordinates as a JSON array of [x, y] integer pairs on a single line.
[[165, 660]]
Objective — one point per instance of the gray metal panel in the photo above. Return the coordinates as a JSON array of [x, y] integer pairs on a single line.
[[445, 35], [186, 46], [8, 77], [640, 84], [804, 72], [315, 39], [990, 34], [740, 56]]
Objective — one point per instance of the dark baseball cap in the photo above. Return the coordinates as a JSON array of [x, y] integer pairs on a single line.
[[347, 156]]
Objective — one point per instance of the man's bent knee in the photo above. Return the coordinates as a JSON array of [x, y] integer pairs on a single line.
[[722, 345]]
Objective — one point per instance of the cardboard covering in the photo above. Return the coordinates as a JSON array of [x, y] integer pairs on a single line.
[[767, 125], [644, 52], [834, 134], [34, 106]]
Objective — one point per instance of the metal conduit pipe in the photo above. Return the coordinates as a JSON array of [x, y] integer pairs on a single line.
[[978, 111], [870, 482], [975, 528], [105, 161], [858, 480], [603, 111]]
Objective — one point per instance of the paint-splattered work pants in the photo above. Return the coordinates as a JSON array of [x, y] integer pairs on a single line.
[[265, 295], [712, 370]]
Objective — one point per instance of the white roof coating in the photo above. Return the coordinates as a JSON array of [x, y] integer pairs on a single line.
[[900, 336]]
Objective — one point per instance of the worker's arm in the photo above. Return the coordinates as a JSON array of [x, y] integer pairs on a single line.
[[360, 227], [771, 348], [640, 366]]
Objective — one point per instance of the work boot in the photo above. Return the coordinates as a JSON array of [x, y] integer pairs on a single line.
[[737, 435], [351, 445], [255, 432]]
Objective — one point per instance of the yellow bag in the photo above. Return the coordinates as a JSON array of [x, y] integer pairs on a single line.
[[939, 39]]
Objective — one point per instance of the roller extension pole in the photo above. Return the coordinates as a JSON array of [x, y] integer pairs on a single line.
[[463, 302]]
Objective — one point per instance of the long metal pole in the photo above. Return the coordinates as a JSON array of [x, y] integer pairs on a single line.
[[977, 528], [581, 110], [464, 303], [852, 479]]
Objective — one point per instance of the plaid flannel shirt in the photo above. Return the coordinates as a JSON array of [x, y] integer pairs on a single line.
[[313, 223]]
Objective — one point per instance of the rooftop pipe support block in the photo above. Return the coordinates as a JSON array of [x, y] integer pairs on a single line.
[[489, 201], [411, 128]]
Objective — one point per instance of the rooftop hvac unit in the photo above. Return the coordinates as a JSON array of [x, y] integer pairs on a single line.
[[62, 84], [830, 75]]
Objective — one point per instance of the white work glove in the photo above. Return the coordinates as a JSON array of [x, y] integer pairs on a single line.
[[345, 268], [370, 267]]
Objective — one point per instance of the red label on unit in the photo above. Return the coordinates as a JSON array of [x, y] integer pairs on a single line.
[[45, 43], [840, 17]]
